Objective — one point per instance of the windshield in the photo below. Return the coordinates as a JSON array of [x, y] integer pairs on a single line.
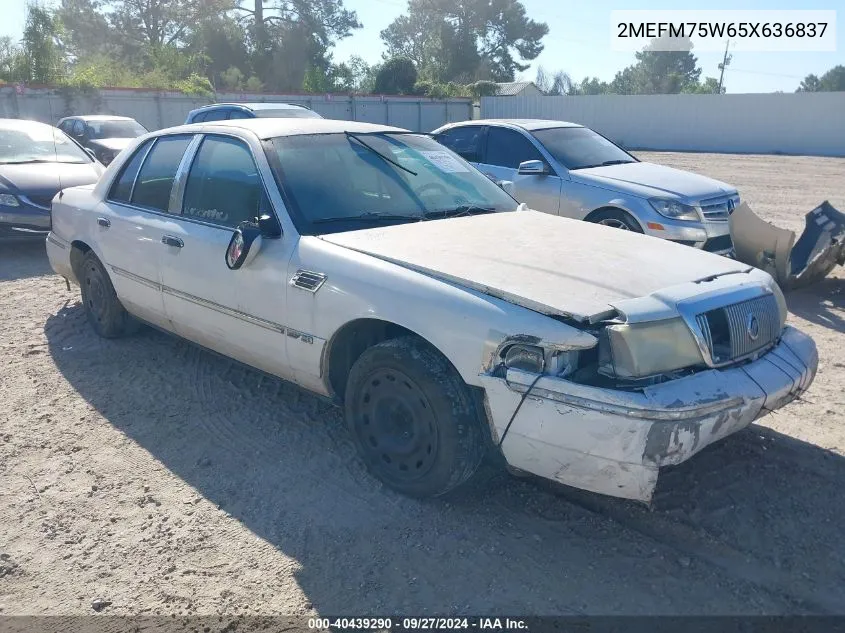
[[114, 129], [340, 182], [580, 147], [30, 142]]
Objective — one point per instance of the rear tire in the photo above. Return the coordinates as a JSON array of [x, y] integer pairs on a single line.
[[105, 313], [412, 418], [617, 219]]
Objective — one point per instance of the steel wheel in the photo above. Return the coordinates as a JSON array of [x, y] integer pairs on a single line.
[[102, 307], [396, 427], [94, 292], [413, 420]]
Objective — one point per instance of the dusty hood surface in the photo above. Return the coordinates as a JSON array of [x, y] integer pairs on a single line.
[[660, 179], [549, 264]]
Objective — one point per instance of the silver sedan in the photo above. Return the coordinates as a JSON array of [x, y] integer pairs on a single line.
[[570, 170]]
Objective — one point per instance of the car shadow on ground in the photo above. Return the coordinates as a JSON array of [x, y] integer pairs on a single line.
[[821, 303], [752, 523], [21, 259]]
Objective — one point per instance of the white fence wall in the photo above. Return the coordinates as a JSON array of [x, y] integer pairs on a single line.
[[798, 123], [156, 110]]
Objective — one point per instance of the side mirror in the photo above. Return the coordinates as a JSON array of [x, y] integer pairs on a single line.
[[244, 245], [533, 168], [269, 226]]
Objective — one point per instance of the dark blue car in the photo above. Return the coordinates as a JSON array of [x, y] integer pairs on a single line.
[[36, 162], [223, 111]]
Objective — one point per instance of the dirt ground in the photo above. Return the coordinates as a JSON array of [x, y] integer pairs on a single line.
[[162, 479]]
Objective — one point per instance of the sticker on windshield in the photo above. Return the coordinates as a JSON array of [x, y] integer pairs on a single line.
[[444, 161]]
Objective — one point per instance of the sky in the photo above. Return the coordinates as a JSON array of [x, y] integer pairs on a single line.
[[579, 39]]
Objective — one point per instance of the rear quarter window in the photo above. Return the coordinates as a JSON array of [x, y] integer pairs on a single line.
[[155, 179], [121, 189]]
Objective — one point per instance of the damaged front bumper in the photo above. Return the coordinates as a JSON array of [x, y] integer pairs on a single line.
[[792, 263], [614, 442]]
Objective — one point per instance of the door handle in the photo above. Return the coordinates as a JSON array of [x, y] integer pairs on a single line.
[[104, 222], [170, 240]]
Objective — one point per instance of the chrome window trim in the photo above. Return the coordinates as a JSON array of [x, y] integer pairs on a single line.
[[123, 167], [177, 191], [259, 169], [238, 139]]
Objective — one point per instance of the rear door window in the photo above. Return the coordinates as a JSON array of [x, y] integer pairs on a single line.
[[465, 141], [240, 114], [220, 114], [155, 180], [121, 190], [507, 148], [223, 186]]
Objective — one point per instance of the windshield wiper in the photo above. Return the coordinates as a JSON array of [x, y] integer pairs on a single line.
[[28, 161], [370, 216], [464, 209], [379, 154], [604, 164]]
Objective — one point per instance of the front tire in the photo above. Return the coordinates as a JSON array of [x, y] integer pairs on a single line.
[[105, 313], [617, 219], [412, 418]]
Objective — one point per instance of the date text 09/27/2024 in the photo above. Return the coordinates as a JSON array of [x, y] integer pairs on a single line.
[[417, 624]]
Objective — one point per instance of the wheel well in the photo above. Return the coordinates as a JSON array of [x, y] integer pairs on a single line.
[[77, 253], [350, 341], [595, 212]]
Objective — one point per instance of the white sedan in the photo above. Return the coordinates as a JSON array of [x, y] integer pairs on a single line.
[[376, 267]]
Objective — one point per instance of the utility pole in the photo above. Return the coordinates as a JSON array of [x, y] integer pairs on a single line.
[[726, 60]]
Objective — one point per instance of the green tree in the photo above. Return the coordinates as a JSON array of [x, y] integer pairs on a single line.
[[41, 46], [463, 40], [88, 31], [832, 81], [591, 86], [810, 83], [12, 61], [292, 36], [397, 76], [710, 86], [557, 83], [658, 72]]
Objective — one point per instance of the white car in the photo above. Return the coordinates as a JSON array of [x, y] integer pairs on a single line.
[[570, 170], [376, 267]]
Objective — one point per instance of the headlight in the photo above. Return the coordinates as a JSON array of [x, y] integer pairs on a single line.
[[8, 200], [525, 357], [673, 209], [647, 349]]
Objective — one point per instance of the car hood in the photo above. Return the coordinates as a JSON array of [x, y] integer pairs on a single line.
[[649, 180], [46, 179], [552, 265], [115, 144]]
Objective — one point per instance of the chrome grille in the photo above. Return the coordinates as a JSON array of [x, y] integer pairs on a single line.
[[738, 330], [718, 209]]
